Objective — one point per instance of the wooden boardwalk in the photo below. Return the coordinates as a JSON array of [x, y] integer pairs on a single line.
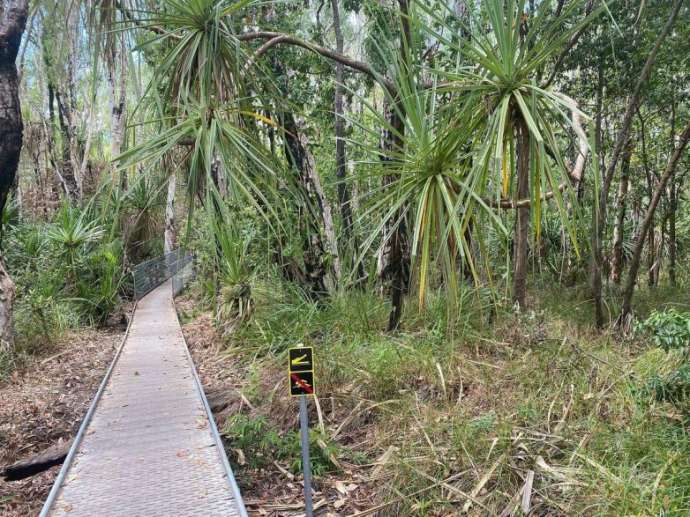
[[148, 446]]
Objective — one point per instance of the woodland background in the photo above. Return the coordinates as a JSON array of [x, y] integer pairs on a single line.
[[477, 211]]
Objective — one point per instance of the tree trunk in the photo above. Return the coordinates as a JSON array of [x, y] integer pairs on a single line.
[[647, 223], [397, 261], [651, 257], [13, 14], [649, 177], [672, 244], [393, 263], [340, 157], [66, 143], [75, 146], [344, 195], [672, 206], [619, 228], [597, 259], [633, 103], [170, 236], [7, 294], [118, 91], [523, 215], [298, 155], [61, 157]]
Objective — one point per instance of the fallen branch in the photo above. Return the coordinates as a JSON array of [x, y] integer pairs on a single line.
[[54, 455]]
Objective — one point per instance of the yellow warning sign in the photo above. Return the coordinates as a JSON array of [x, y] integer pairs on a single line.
[[301, 370]]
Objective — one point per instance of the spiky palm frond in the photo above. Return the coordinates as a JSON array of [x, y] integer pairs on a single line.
[[72, 229], [197, 104], [72, 234], [424, 181], [496, 88], [202, 57], [143, 207], [212, 136]]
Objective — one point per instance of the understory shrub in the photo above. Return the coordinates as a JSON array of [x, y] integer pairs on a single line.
[[668, 329], [263, 443]]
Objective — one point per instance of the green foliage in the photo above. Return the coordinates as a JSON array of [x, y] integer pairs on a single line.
[[463, 377], [501, 71], [668, 329], [263, 444], [674, 387], [101, 283], [142, 208], [67, 273], [73, 236]]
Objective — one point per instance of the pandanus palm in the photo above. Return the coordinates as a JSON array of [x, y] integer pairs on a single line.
[[516, 126], [197, 100], [424, 180]]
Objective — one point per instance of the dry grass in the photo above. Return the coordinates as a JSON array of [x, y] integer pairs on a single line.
[[535, 413]]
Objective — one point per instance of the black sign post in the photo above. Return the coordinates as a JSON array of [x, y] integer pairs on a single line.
[[301, 379]]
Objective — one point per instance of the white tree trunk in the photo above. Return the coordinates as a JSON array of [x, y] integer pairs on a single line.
[[118, 91], [170, 237], [326, 210]]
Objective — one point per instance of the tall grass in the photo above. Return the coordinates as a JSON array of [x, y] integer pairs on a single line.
[[484, 399]]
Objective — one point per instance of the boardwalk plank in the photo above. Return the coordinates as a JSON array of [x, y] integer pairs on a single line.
[[149, 448]]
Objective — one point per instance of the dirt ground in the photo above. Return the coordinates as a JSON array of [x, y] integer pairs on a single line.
[[43, 403]]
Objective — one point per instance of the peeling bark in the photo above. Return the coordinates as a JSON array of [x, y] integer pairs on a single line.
[[117, 77], [7, 294], [316, 267], [13, 14], [170, 236]]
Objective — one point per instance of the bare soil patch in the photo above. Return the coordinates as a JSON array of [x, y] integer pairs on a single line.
[[43, 403]]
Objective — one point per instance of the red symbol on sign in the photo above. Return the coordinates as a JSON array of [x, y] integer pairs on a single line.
[[302, 384]]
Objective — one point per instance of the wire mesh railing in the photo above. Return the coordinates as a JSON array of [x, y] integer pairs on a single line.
[[185, 272], [178, 265]]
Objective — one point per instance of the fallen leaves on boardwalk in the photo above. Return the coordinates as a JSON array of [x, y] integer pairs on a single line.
[[43, 403]]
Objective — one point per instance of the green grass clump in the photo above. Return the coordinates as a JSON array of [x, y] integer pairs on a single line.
[[264, 443], [599, 420]]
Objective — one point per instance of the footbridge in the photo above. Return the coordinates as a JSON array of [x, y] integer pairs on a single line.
[[148, 445]]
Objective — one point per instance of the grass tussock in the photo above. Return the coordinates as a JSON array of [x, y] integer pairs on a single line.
[[492, 412]]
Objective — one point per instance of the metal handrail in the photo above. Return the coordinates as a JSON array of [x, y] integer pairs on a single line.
[[153, 272]]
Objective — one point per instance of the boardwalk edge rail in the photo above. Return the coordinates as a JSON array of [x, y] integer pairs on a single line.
[[178, 285], [57, 484], [214, 431]]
